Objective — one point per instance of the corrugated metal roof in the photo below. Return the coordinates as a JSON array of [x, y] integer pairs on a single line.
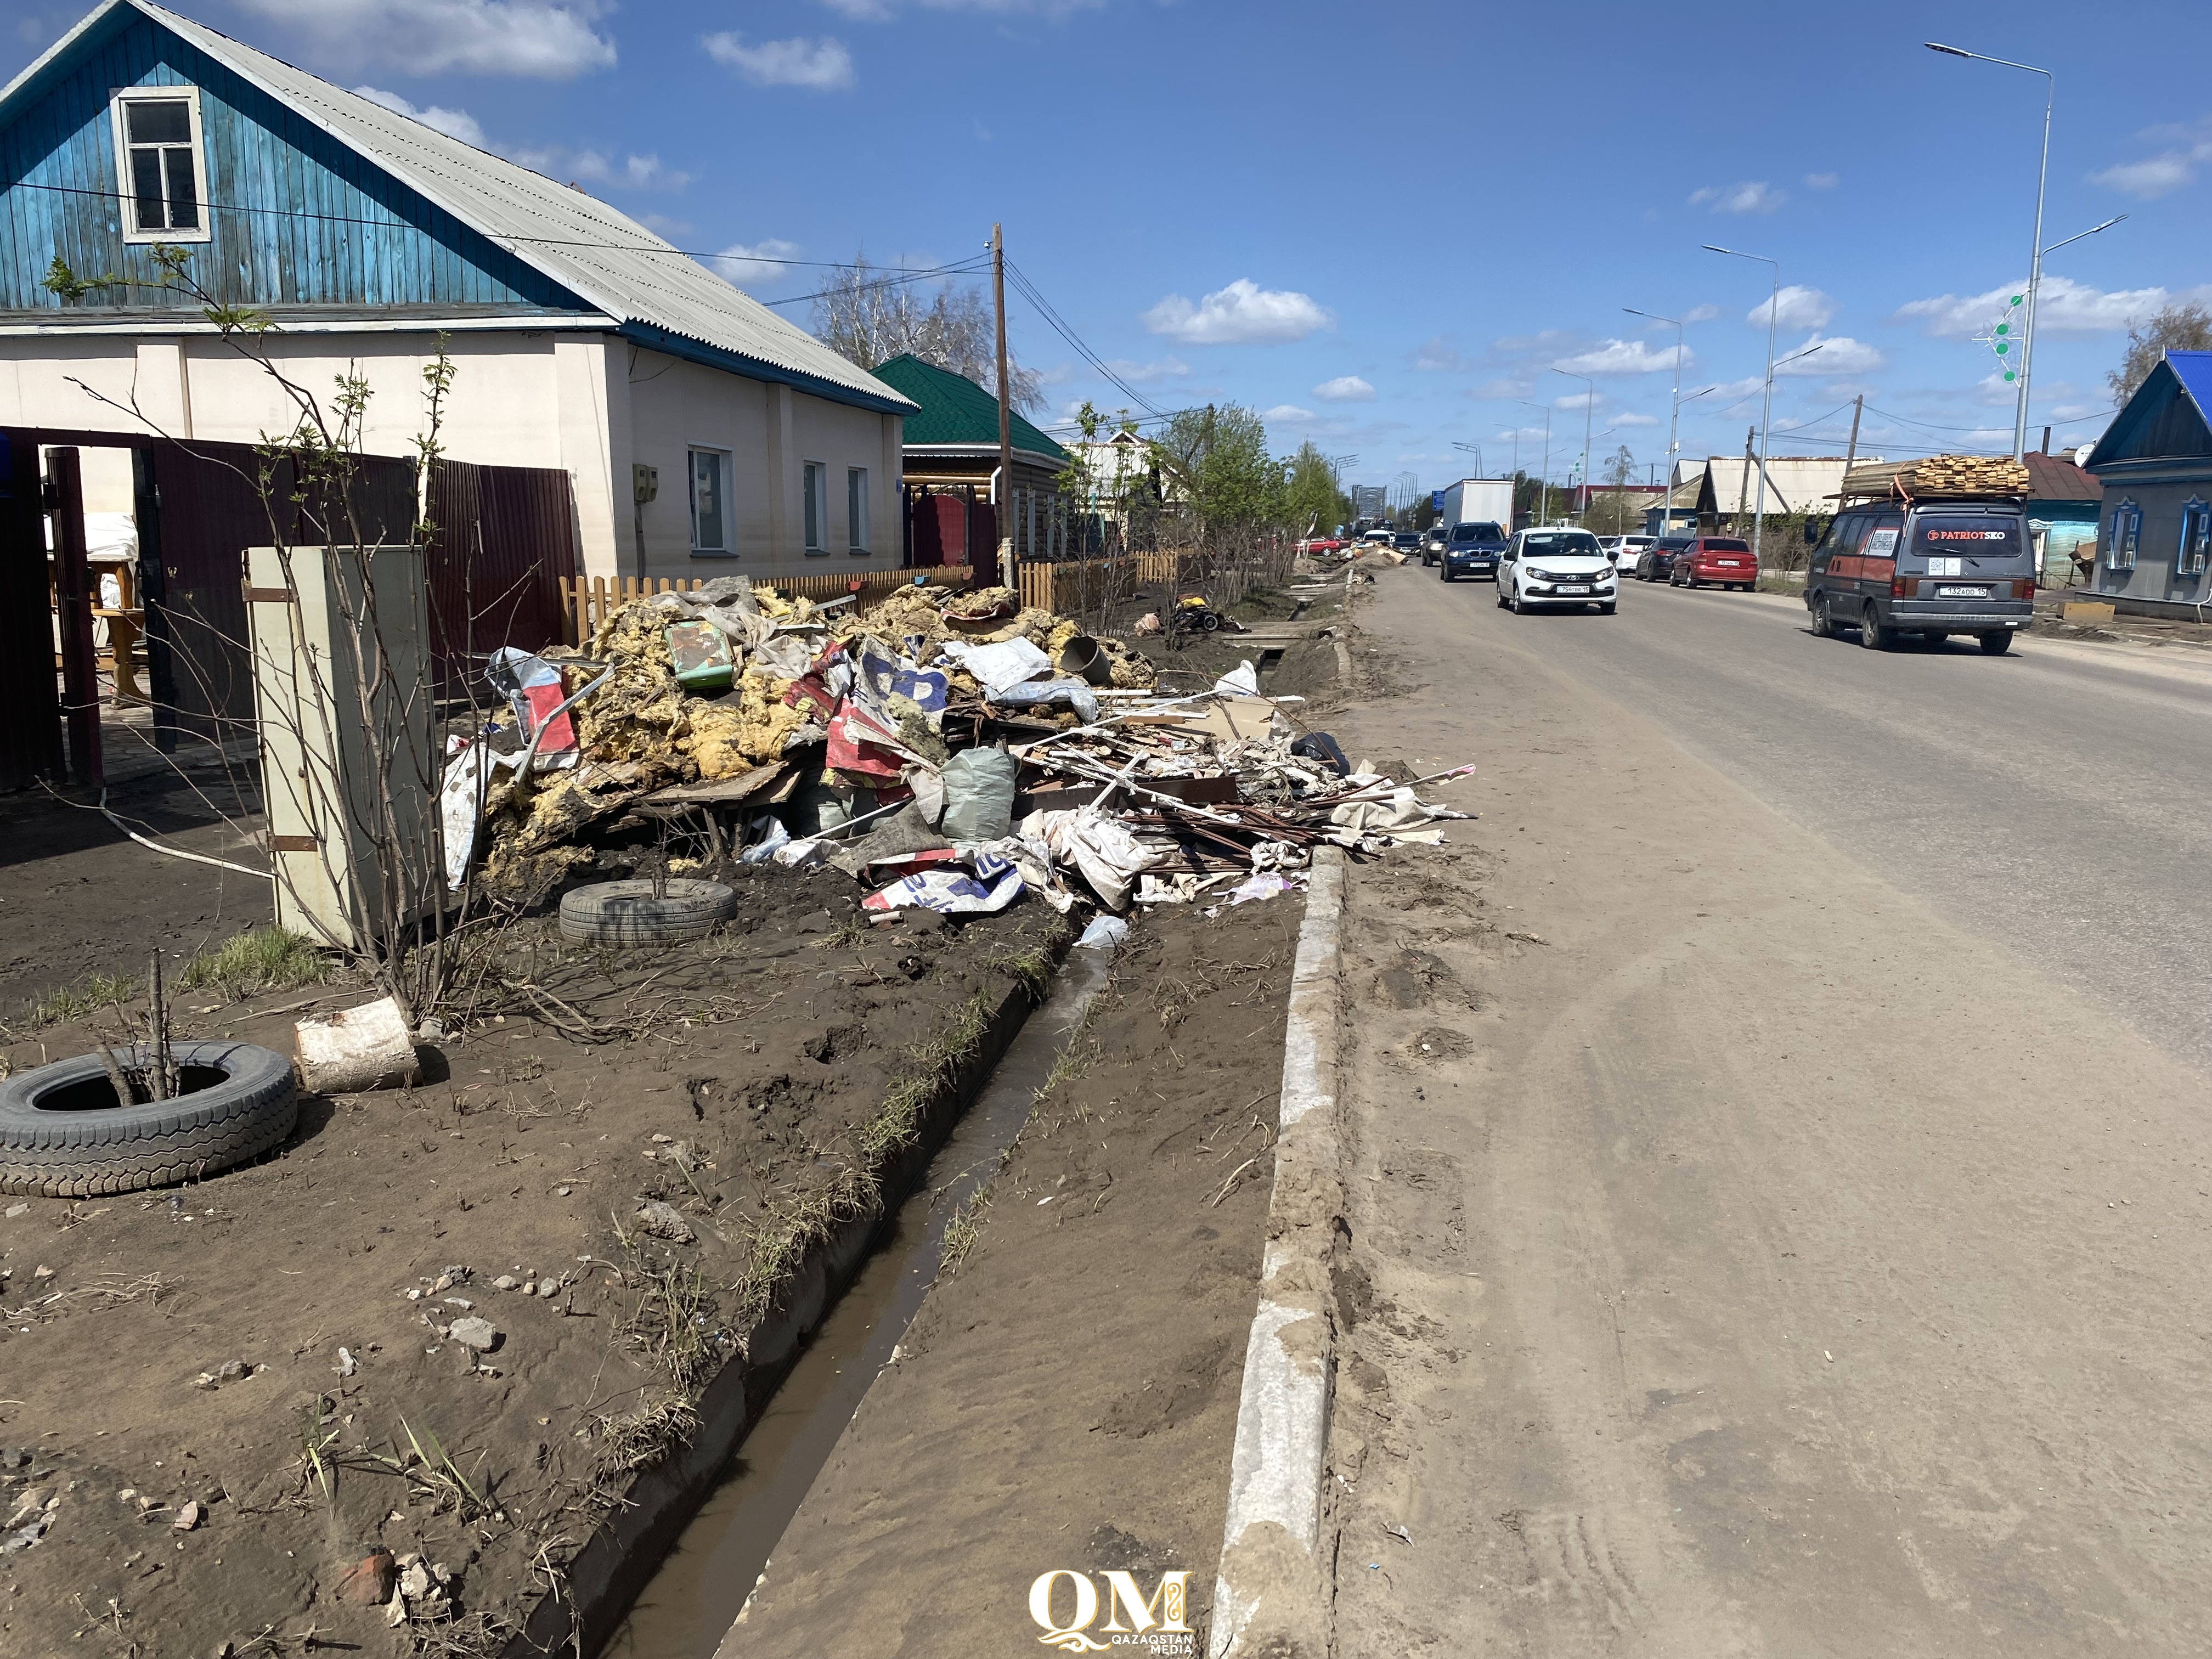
[[2055, 478], [952, 409], [2194, 370], [606, 259]]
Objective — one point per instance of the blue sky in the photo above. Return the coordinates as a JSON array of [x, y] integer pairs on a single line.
[[1382, 225]]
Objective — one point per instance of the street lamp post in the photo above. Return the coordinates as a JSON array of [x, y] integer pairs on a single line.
[[1674, 408], [1589, 403], [2035, 249], [1767, 409], [1544, 510]]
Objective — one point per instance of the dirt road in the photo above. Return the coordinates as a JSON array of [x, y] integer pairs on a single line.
[[1768, 1251]]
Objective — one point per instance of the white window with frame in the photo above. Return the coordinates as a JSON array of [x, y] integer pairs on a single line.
[[814, 484], [2126, 532], [2191, 557], [160, 164], [856, 510], [708, 476]]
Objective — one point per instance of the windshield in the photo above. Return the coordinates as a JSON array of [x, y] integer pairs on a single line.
[[1477, 533], [1568, 544], [1959, 536]]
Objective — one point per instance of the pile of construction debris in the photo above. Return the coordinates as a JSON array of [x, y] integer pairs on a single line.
[[949, 748]]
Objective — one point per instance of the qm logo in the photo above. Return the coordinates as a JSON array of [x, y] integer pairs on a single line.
[[1153, 1625]]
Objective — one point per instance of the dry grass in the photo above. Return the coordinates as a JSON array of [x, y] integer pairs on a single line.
[[962, 1232], [112, 1290]]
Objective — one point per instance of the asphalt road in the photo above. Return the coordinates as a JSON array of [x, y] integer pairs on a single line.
[[2057, 800], [1798, 1239]]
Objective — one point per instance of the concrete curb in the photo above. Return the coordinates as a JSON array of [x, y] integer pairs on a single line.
[[1273, 1593]]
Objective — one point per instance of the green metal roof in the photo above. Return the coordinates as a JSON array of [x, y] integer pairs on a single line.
[[954, 410]]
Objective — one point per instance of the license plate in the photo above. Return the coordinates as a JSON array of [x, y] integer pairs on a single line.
[[1574, 590], [1731, 563], [1962, 592]]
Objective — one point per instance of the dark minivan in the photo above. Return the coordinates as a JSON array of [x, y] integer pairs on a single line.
[[1930, 567], [1472, 550]]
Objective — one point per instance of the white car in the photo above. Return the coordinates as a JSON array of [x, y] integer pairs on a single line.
[[1558, 569]]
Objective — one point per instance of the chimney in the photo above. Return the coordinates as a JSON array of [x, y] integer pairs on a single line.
[[2046, 450]]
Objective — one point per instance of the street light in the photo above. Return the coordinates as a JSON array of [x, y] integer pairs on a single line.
[[1477, 449], [1675, 406], [1544, 510], [2036, 248], [1589, 402], [1766, 409]]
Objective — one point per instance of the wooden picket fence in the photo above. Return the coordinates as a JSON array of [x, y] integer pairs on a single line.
[[1075, 586], [587, 602]]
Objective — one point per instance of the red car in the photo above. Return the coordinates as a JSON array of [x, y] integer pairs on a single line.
[[1724, 561], [1321, 545]]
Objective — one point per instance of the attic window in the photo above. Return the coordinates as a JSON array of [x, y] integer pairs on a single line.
[[160, 161]]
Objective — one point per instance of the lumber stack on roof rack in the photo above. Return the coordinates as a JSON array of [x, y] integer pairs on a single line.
[[1938, 475]]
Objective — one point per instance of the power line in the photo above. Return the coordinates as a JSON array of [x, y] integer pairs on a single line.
[[1059, 325]]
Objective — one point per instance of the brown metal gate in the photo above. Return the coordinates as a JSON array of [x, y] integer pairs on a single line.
[[506, 537]]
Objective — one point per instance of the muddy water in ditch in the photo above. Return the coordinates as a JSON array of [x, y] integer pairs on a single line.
[[690, 1605]]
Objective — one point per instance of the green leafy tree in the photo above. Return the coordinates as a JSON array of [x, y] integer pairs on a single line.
[[1220, 471], [1314, 503]]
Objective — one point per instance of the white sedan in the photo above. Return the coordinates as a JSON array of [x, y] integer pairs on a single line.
[[1556, 569]]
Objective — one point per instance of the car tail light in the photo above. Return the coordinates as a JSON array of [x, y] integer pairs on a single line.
[[1900, 587], [2025, 590]]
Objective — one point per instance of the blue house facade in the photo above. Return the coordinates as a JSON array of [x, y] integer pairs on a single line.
[[696, 424], [2155, 538]]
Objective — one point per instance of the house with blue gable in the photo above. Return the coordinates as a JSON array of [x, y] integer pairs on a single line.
[[2155, 538], [702, 432]]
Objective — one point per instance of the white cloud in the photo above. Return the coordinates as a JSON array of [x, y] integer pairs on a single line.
[[1821, 180], [862, 11], [1793, 307], [1576, 400], [1632, 419], [1435, 353], [821, 65], [453, 123], [1623, 357], [1243, 313], [1144, 373], [536, 38], [1838, 355], [1756, 195], [2169, 170], [1345, 389], [756, 267], [1287, 414], [2063, 306], [2152, 178], [1701, 313], [1489, 390]]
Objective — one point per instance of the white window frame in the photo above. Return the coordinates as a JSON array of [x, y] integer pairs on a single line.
[[127, 195], [814, 503], [728, 457], [2194, 551], [856, 511], [2127, 533]]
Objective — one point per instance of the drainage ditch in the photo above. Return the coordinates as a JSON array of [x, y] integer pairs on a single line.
[[688, 1606]]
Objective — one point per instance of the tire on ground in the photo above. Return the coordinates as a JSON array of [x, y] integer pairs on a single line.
[[88, 1151], [627, 912]]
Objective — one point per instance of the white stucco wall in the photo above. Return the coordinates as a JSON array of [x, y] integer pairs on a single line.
[[588, 402]]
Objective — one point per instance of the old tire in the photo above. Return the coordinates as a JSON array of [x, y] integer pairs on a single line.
[[627, 912], [1993, 643], [1824, 624], [1872, 634], [62, 1136]]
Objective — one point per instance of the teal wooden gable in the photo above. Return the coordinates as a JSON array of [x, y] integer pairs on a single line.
[[294, 219]]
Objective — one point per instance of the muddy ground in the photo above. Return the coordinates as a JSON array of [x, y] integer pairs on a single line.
[[752, 1063], [1067, 1396]]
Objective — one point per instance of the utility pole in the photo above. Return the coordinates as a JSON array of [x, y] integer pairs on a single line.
[[1852, 450], [1743, 483], [1002, 507]]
